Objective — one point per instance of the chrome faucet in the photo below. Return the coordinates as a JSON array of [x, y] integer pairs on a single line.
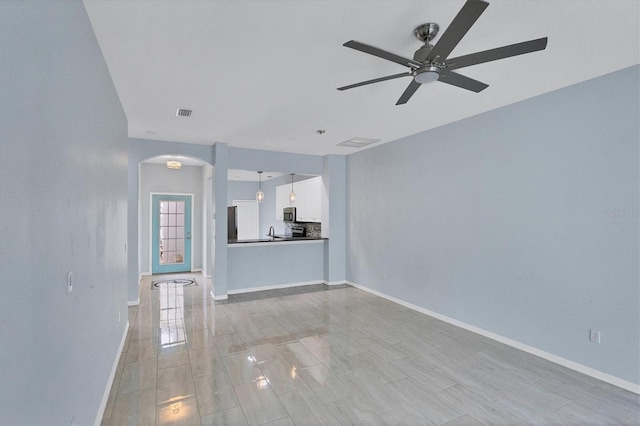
[[272, 232]]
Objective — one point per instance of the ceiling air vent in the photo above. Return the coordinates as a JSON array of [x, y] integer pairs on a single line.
[[183, 112], [358, 142]]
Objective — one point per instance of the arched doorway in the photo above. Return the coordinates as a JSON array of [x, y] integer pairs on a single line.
[[143, 153], [172, 208]]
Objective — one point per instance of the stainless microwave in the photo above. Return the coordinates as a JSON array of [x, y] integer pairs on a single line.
[[289, 214]]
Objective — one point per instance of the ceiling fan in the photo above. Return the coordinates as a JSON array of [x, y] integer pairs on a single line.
[[432, 62]]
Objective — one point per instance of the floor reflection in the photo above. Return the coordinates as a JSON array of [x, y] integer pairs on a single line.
[[171, 328]]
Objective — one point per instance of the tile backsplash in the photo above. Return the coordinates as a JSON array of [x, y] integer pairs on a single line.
[[313, 229]]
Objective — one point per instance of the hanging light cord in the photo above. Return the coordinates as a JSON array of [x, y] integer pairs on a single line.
[[292, 196]]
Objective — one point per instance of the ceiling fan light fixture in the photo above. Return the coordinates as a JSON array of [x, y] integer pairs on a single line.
[[428, 75]]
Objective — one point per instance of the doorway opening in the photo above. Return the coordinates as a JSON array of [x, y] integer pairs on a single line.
[[171, 233]]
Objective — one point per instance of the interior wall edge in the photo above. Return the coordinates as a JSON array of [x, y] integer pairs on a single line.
[[339, 282]]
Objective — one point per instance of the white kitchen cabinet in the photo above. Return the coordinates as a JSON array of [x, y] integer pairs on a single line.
[[308, 202], [316, 206]]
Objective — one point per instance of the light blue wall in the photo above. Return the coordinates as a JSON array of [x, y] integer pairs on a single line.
[[63, 193], [220, 189], [501, 221], [334, 217], [253, 266]]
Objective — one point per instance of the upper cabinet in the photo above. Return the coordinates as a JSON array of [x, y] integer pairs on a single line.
[[308, 202]]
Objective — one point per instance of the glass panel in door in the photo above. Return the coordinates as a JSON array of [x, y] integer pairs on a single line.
[[171, 233]]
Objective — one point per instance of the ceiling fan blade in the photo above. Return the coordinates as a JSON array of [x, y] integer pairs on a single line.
[[382, 54], [408, 92], [463, 21], [375, 80], [497, 53], [460, 80]]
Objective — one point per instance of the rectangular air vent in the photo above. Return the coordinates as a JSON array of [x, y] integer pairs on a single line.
[[184, 112], [358, 142]]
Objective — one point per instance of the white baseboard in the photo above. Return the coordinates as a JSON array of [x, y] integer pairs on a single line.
[[334, 282], [214, 297], [597, 374], [274, 287], [133, 302], [112, 376]]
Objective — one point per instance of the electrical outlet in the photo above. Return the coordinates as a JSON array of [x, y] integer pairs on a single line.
[[69, 282], [594, 336]]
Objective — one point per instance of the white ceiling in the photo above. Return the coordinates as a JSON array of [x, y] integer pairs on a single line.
[[263, 74]]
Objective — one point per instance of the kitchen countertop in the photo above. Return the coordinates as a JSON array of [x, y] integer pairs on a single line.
[[277, 239]]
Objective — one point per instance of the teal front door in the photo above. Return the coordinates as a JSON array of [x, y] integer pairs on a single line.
[[171, 233]]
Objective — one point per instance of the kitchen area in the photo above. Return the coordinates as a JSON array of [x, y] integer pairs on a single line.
[[297, 215], [274, 240]]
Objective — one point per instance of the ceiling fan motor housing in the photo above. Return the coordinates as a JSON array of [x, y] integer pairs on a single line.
[[421, 54]]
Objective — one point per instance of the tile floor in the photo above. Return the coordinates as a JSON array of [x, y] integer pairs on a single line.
[[334, 355]]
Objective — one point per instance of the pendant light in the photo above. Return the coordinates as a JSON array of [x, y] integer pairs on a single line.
[[292, 196], [260, 194]]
